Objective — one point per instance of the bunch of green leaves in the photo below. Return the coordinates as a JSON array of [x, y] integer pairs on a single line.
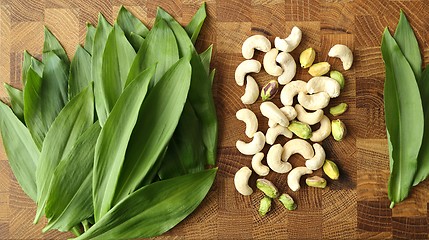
[[117, 141], [406, 102]]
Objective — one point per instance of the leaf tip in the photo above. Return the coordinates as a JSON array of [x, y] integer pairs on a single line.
[[392, 204]]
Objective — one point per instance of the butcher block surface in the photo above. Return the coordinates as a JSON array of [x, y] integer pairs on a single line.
[[354, 207]]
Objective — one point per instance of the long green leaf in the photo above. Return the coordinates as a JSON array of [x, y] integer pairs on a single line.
[[130, 24], [28, 62], [157, 121], [407, 42], [52, 44], [194, 27], [404, 119], [206, 58], [159, 48], [136, 40], [100, 38], [200, 92], [117, 59], [45, 97], [16, 100], [80, 72], [423, 158], [21, 151], [70, 198], [154, 209], [72, 121], [89, 38], [112, 143]]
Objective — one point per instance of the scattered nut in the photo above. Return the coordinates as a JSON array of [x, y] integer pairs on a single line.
[[306, 58], [339, 130], [319, 158], [274, 132], [274, 160], [264, 206], [315, 101], [290, 90], [257, 165], [337, 76], [267, 187], [270, 64], [338, 110], [295, 175], [291, 42], [257, 42], [251, 92], [331, 169], [344, 53], [255, 146], [324, 84], [249, 118], [287, 201], [269, 90], [300, 129], [271, 111], [298, 146], [310, 118], [319, 69], [241, 180], [323, 132], [244, 68], [316, 181], [289, 111], [288, 65]]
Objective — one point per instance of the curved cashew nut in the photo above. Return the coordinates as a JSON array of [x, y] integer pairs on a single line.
[[344, 53], [319, 158], [241, 181], [257, 42], [288, 111], [249, 118], [315, 101], [323, 132], [270, 65], [324, 84], [290, 90], [253, 147], [275, 162], [251, 93], [274, 132], [271, 111], [299, 146], [291, 42], [257, 165], [288, 65], [310, 118], [247, 66], [295, 175]]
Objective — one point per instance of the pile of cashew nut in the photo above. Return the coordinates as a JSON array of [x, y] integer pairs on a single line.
[[295, 117]]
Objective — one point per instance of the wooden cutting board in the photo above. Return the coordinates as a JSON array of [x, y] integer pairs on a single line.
[[355, 206]]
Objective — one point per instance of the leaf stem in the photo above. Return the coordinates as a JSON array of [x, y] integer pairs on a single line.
[[76, 231], [85, 224]]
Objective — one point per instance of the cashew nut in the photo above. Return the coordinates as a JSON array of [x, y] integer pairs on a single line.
[[299, 146], [288, 65], [274, 132], [271, 111], [295, 175], [291, 42], [270, 65], [257, 165], [319, 158], [257, 42], [253, 147], [275, 162], [288, 111], [314, 101], [247, 66], [290, 90], [310, 118], [344, 53], [249, 118], [241, 181], [251, 93], [324, 84], [323, 132]]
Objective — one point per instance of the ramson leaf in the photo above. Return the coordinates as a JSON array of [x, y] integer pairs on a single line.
[[16, 100], [89, 38], [130, 24], [194, 27], [80, 72]]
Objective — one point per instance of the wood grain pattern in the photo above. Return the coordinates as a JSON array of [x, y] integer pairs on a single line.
[[354, 207]]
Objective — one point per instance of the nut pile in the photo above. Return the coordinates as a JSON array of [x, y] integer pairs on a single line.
[[289, 120]]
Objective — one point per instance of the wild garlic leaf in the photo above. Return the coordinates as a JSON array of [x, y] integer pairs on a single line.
[[402, 108], [20, 149], [153, 209], [113, 141], [72, 121], [194, 27], [130, 24], [16, 100], [136, 40], [28, 62], [51, 44], [206, 58], [80, 72], [89, 38]]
